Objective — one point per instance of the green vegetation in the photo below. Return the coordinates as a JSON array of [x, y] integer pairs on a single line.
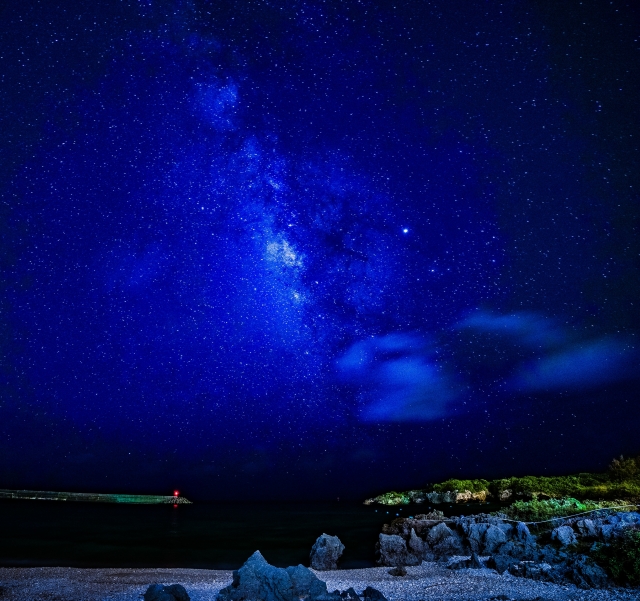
[[541, 510], [621, 481], [393, 498], [580, 486], [625, 469], [621, 558], [460, 485]]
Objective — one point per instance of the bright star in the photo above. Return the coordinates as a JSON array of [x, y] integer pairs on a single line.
[[405, 230]]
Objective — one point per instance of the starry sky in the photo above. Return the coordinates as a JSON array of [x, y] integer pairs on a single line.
[[309, 249]]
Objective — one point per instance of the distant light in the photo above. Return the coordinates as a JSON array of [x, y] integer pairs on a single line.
[[405, 230], [176, 493]]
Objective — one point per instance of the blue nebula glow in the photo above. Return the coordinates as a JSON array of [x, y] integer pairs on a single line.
[[267, 246]]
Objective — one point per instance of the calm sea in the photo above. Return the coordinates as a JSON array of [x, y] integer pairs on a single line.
[[202, 535]]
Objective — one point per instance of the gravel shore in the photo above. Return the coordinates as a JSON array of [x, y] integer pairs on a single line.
[[428, 582]]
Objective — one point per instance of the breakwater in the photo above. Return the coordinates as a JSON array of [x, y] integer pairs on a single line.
[[47, 495]]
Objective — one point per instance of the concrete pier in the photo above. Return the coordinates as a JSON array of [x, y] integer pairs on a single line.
[[46, 495]]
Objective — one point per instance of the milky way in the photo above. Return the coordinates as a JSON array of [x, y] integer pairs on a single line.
[[316, 249]]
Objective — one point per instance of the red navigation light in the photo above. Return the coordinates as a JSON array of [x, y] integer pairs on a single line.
[[176, 493]]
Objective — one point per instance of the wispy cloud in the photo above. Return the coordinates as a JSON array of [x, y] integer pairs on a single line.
[[579, 366], [559, 359], [399, 381], [525, 327]]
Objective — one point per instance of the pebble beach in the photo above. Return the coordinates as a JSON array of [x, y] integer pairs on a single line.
[[427, 582]]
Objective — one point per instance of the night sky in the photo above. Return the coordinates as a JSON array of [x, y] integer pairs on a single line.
[[307, 250]]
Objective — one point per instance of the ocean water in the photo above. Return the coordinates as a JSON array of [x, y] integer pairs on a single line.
[[202, 535]]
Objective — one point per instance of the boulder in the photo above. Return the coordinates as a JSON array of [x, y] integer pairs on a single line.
[[398, 571], [372, 594], [171, 592], [564, 535], [326, 552], [349, 595], [393, 551], [259, 581]]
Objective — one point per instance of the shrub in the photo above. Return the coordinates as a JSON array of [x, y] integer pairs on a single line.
[[393, 498], [460, 485], [539, 511], [623, 468], [621, 558]]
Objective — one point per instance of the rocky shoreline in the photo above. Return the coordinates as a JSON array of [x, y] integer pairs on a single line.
[[560, 554], [423, 558]]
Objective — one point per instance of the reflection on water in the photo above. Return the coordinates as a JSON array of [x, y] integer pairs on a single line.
[[204, 535]]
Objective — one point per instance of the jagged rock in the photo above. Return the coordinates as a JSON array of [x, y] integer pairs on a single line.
[[460, 563], [444, 542], [564, 535], [584, 573], [548, 554], [349, 595], [578, 570], [398, 571], [438, 533], [393, 551], [417, 496], [477, 497], [523, 534], [416, 544], [475, 563], [259, 581], [326, 552], [372, 594], [447, 547], [505, 494], [507, 528], [606, 532], [533, 570], [442, 497], [501, 562], [432, 515], [475, 535], [587, 528], [171, 592]]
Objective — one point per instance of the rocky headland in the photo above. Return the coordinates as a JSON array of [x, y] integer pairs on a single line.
[[547, 528], [618, 485]]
